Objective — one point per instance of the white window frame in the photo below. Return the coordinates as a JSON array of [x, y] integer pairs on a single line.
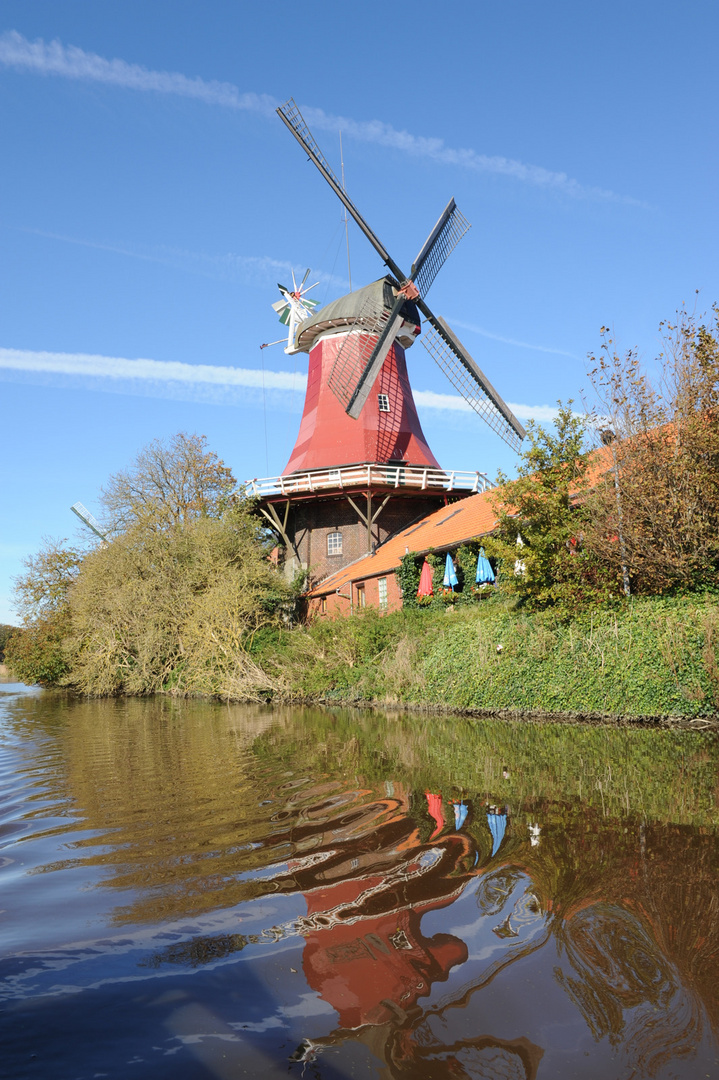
[[334, 545], [382, 592], [383, 402]]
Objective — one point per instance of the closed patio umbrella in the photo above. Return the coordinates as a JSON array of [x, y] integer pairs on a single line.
[[450, 577], [497, 825], [460, 813], [425, 581], [434, 805], [485, 573]]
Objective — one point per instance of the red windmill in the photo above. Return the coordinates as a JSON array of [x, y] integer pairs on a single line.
[[361, 452]]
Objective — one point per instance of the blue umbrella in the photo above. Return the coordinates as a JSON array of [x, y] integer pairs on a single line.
[[450, 577], [460, 814], [497, 825], [484, 570]]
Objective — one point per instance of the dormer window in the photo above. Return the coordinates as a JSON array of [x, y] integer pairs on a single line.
[[383, 400]]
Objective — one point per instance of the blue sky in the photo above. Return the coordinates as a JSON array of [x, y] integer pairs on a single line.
[[150, 200]]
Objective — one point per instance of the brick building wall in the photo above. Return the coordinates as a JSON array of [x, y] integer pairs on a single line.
[[311, 522], [355, 595]]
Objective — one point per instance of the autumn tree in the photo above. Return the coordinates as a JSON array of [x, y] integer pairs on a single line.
[[172, 602], [665, 460], [175, 609], [542, 515], [171, 482], [35, 652]]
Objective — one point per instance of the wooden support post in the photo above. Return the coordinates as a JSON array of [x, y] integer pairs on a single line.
[[280, 527], [369, 518], [380, 508], [355, 507]]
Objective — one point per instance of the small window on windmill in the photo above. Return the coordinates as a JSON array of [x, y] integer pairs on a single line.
[[383, 400], [334, 543]]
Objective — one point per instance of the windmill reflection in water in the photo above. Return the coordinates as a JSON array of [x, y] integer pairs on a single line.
[[371, 871]]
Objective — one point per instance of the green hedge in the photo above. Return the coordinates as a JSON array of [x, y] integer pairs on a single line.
[[653, 657], [646, 658]]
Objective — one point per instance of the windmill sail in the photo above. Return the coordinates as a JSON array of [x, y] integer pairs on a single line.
[[294, 120], [467, 377], [440, 243], [363, 353], [349, 379]]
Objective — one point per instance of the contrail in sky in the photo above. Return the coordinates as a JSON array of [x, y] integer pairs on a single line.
[[71, 62], [250, 268], [229, 266], [175, 373], [512, 341]]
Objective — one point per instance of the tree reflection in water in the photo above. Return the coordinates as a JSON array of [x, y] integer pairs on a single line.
[[626, 989]]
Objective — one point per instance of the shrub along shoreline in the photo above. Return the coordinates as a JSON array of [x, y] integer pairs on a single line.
[[645, 660]]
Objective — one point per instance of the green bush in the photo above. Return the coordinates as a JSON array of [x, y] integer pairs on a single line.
[[6, 633], [650, 657]]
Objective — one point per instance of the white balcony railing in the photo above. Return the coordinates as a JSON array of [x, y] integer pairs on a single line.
[[352, 477]]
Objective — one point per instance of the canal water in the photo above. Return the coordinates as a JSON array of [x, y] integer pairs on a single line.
[[192, 890]]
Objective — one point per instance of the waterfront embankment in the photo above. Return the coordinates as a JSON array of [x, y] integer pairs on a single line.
[[643, 659]]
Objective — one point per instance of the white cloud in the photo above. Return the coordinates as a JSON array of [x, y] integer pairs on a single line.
[[428, 399], [70, 62], [73, 63], [422, 146], [164, 377], [117, 367]]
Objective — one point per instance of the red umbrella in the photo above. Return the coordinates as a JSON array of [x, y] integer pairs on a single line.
[[425, 581], [434, 805]]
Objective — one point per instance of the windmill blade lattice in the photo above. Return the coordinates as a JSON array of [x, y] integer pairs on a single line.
[[439, 245], [294, 120], [468, 378], [355, 355]]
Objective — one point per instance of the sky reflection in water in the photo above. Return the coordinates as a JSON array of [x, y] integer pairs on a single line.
[[198, 891]]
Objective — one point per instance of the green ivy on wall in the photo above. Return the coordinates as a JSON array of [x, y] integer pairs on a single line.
[[408, 574], [410, 568]]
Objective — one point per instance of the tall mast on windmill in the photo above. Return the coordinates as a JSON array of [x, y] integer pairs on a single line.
[[361, 468], [347, 235]]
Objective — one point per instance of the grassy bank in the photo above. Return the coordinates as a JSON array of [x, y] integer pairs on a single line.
[[652, 657]]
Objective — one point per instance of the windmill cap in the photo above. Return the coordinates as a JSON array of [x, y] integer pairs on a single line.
[[346, 311]]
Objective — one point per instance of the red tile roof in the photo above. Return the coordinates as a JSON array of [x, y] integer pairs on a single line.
[[445, 528]]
